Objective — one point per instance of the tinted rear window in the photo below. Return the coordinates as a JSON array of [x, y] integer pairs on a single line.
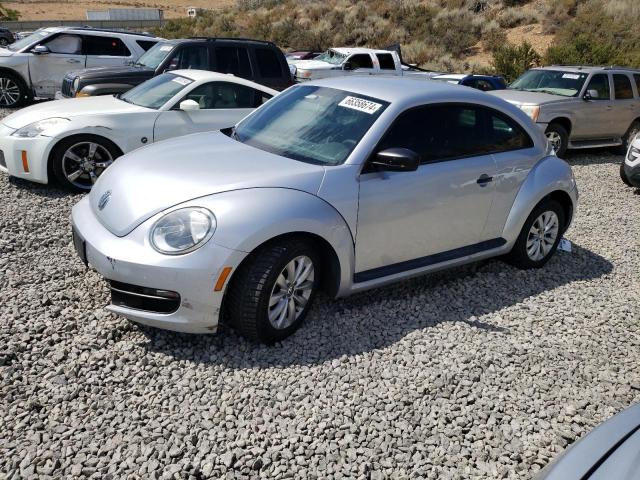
[[386, 61], [622, 87], [106, 46], [233, 60], [268, 63]]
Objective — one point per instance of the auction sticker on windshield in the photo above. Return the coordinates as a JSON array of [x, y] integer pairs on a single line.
[[181, 80], [572, 76], [360, 104]]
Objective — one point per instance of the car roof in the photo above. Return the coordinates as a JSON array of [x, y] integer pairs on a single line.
[[97, 30], [206, 75], [400, 89], [350, 51], [585, 68]]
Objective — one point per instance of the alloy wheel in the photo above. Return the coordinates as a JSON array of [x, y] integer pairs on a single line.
[[9, 92], [542, 235], [291, 292], [84, 162], [555, 140]]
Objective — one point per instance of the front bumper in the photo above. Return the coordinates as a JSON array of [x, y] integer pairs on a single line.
[[131, 260], [25, 157]]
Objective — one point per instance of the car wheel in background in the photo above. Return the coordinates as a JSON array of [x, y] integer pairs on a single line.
[[13, 92], [539, 237], [78, 161], [628, 138], [272, 291], [4, 42], [558, 138]]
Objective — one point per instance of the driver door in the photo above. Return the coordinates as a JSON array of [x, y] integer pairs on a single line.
[[221, 105], [408, 220], [48, 69]]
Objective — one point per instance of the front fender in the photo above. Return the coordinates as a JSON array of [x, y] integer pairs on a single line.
[[248, 218], [105, 89], [549, 175]]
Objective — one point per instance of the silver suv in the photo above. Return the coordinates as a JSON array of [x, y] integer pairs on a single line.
[[580, 107], [34, 66]]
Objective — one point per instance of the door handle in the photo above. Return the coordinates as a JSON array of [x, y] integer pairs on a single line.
[[73, 60], [484, 180]]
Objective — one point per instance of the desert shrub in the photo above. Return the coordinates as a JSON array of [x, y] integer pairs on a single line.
[[514, 17], [8, 14], [511, 61], [455, 30], [558, 13], [493, 36]]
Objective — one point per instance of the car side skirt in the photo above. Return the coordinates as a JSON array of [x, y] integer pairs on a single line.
[[427, 261]]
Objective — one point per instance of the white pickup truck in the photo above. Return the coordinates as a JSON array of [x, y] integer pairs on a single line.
[[354, 61]]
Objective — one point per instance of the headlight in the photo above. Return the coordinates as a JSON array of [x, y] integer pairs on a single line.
[[303, 73], [183, 230], [75, 85], [532, 110], [633, 156], [40, 127]]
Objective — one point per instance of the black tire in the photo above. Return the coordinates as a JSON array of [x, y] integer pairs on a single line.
[[628, 138], [4, 42], [57, 161], [247, 302], [561, 132], [518, 256], [623, 176], [13, 91]]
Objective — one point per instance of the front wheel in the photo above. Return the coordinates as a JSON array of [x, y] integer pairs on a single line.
[[77, 162], [13, 92], [539, 237], [272, 291], [558, 138]]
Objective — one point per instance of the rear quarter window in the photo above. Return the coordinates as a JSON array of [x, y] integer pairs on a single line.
[[234, 60], [104, 46], [622, 87], [268, 63]]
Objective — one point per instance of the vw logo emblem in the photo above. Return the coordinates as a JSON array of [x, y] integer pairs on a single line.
[[104, 199]]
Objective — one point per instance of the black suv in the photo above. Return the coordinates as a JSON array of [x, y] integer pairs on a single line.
[[6, 37], [261, 62]]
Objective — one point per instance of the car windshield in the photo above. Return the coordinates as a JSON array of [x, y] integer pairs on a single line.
[[35, 37], [156, 92], [555, 82], [331, 56], [155, 55], [311, 124]]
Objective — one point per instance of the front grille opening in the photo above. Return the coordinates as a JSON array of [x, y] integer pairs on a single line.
[[144, 298]]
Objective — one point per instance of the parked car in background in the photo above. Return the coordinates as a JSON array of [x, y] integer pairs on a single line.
[[35, 65], [301, 55], [339, 62], [76, 140], [479, 82], [611, 451], [331, 185], [258, 61], [630, 167], [580, 107], [6, 37], [21, 35]]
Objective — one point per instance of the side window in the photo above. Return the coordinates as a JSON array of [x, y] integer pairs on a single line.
[[386, 61], [622, 87], [479, 84], [190, 57], [360, 60], [600, 83], [233, 60], [146, 44], [106, 46], [636, 77], [442, 132], [504, 134], [268, 63], [69, 44], [222, 95]]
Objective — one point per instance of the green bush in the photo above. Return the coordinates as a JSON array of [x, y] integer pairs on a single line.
[[511, 61]]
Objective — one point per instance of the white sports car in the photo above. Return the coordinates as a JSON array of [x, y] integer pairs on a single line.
[[75, 140]]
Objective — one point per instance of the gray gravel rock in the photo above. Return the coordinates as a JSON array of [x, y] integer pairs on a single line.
[[480, 372]]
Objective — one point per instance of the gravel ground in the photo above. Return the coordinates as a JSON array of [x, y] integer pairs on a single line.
[[480, 372]]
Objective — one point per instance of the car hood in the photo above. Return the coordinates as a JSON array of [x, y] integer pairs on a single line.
[[5, 52], [113, 72], [315, 65], [154, 178], [519, 97], [70, 108]]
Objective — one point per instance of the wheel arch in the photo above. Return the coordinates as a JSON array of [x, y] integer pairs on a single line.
[[21, 79], [70, 135], [564, 122]]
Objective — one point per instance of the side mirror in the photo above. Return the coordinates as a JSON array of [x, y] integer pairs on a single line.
[[396, 160], [591, 95], [348, 66], [189, 105], [41, 50]]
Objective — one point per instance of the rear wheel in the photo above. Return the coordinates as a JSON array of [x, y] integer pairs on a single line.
[[539, 237], [77, 162], [13, 92], [558, 138], [272, 291]]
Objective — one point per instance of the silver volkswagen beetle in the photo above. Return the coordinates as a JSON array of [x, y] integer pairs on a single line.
[[338, 185]]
